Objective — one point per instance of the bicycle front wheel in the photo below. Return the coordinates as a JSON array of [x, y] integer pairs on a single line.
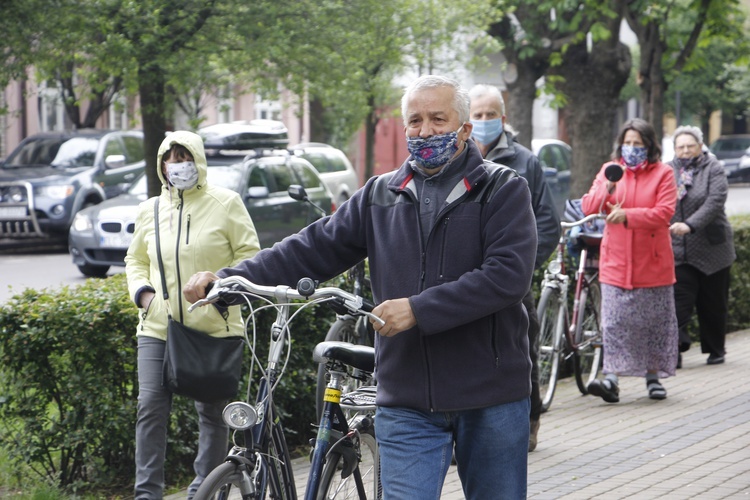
[[225, 480], [588, 336], [365, 477], [551, 326]]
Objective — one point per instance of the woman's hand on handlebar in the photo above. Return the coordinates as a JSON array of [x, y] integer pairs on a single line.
[[397, 315], [195, 288]]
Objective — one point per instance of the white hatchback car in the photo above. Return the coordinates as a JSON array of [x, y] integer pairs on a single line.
[[333, 166]]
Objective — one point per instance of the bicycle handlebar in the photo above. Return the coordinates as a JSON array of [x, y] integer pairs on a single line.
[[588, 218], [305, 290]]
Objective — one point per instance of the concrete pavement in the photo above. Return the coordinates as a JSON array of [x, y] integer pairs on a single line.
[[693, 445]]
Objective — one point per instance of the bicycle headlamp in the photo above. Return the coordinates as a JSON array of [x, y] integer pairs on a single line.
[[239, 415], [554, 267]]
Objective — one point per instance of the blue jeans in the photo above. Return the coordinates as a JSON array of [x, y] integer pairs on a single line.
[[491, 448], [154, 405]]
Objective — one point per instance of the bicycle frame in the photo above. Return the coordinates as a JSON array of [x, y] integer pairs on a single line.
[[253, 438]]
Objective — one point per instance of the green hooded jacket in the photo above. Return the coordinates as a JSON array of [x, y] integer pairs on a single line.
[[204, 228]]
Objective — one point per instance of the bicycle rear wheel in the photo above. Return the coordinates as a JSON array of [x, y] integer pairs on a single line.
[[280, 474], [344, 329], [367, 472], [588, 336], [551, 327]]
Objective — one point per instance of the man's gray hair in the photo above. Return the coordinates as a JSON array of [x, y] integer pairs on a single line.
[[461, 101], [688, 129], [481, 90]]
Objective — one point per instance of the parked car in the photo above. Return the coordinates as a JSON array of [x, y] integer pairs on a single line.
[[742, 173], [729, 149], [333, 166], [100, 235], [49, 177], [556, 158]]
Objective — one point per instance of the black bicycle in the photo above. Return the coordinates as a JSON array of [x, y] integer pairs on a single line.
[[258, 465]]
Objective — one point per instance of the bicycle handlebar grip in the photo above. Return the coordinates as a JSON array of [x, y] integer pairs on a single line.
[[367, 306], [306, 287]]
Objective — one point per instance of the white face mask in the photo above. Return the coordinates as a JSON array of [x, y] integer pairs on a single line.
[[182, 175]]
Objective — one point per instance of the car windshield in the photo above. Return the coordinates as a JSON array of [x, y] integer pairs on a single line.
[[731, 145], [55, 151]]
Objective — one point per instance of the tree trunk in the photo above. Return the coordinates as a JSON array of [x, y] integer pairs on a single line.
[[318, 132], [592, 83], [151, 89], [519, 108], [370, 127]]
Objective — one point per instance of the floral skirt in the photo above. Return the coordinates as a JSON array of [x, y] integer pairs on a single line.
[[639, 331]]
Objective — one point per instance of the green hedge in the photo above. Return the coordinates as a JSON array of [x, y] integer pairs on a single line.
[[68, 386]]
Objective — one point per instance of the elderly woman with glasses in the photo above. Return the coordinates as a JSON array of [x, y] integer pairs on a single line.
[[702, 243]]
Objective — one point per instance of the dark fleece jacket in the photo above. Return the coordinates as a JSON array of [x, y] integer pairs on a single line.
[[465, 282]]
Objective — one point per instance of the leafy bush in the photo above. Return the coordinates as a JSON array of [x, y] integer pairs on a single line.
[[68, 385], [69, 382], [739, 286]]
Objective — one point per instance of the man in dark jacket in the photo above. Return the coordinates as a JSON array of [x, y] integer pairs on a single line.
[[491, 133], [451, 248]]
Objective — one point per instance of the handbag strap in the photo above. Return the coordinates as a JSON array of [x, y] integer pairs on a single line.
[[164, 292]]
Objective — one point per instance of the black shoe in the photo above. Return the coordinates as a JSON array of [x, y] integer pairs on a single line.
[[679, 361], [715, 359], [605, 389]]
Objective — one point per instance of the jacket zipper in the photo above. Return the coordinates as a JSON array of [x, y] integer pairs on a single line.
[[177, 254]]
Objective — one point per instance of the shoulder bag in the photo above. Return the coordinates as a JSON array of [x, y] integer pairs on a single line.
[[197, 365]]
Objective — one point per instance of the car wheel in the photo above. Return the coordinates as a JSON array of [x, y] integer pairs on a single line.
[[94, 271]]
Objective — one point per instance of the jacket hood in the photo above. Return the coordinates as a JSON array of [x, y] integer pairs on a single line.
[[194, 143]]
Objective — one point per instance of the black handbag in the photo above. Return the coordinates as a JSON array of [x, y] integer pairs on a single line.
[[198, 365]]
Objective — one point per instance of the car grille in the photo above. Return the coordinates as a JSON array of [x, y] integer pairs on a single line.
[[117, 227], [17, 211]]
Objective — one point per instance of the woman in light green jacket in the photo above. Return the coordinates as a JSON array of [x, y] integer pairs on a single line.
[[200, 227]]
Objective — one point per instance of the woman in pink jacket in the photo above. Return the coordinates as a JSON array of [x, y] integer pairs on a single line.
[[636, 267]]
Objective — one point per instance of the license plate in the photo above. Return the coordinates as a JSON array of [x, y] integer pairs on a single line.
[[116, 240], [13, 212]]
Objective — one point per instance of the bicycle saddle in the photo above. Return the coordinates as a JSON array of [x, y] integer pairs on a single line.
[[361, 357]]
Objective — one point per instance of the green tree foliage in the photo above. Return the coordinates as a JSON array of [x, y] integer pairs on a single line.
[[668, 34]]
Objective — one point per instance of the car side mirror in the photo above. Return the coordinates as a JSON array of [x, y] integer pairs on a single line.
[[258, 192], [114, 161], [297, 192]]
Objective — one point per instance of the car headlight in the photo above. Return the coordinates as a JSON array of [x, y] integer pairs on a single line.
[[13, 194], [56, 192], [240, 415], [82, 223], [745, 162]]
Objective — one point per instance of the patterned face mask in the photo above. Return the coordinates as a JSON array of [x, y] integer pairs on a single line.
[[486, 131], [434, 151], [182, 175], [634, 155]]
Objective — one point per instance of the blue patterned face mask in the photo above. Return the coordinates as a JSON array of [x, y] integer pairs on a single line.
[[434, 151], [486, 131], [634, 155]]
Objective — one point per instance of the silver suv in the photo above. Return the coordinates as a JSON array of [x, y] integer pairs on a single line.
[[333, 166], [49, 177]]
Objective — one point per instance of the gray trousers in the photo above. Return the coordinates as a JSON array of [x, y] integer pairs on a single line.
[[154, 406]]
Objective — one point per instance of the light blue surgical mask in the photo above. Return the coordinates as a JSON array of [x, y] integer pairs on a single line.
[[486, 131]]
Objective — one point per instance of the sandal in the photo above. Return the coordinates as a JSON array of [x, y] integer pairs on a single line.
[[656, 390]]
